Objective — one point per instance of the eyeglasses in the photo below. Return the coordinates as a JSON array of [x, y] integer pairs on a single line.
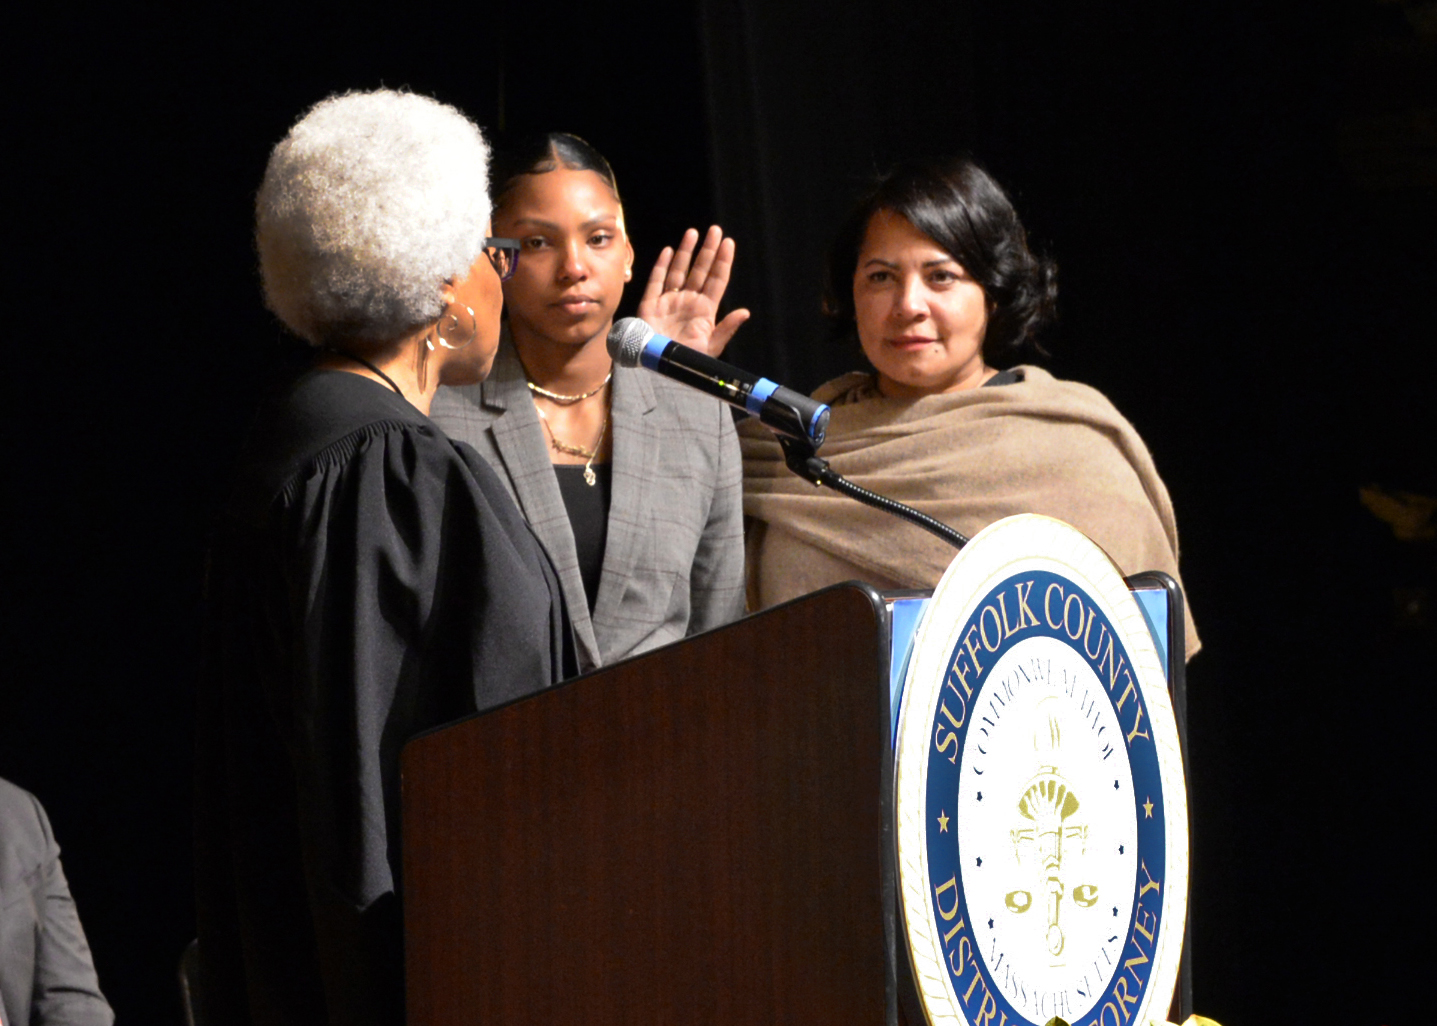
[[504, 255]]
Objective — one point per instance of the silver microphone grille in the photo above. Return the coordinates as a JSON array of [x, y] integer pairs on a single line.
[[626, 340]]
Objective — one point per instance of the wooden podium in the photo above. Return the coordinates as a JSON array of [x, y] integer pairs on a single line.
[[696, 835]]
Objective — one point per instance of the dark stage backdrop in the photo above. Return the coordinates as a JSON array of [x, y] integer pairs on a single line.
[[135, 146], [1242, 199]]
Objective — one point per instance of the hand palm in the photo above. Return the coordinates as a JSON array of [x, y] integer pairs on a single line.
[[684, 316], [682, 296]]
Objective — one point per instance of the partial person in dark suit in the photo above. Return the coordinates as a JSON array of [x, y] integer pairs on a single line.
[[631, 481], [46, 975], [369, 578]]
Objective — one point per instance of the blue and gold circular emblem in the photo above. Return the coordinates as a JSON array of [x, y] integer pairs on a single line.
[[1042, 814]]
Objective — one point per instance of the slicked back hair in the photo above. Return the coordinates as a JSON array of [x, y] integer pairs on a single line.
[[548, 151]]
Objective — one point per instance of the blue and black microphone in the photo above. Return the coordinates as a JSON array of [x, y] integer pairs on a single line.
[[632, 343]]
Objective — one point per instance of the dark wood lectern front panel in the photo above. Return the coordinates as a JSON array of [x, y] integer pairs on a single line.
[[692, 836]]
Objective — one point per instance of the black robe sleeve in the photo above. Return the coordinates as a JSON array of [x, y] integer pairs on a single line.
[[391, 587]]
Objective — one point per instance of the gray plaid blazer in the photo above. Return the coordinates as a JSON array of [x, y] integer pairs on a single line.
[[673, 559]]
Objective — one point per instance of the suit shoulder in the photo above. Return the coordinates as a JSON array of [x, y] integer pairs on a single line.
[[456, 402], [690, 407], [24, 830], [17, 803]]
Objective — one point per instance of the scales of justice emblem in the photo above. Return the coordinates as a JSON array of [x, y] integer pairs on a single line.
[[1041, 808], [1049, 805]]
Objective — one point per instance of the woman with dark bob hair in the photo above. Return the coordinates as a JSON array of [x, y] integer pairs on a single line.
[[369, 578], [933, 274]]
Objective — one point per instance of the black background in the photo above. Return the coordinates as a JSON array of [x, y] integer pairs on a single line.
[[1242, 198]]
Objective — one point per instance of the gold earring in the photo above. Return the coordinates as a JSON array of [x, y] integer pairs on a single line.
[[473, 331]]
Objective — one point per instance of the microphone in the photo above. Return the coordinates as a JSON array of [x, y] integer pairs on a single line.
[[633, 343]]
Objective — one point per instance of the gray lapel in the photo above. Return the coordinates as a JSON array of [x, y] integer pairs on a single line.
[[635, 459], [519, 439]]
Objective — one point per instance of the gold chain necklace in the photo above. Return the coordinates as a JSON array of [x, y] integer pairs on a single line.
[[569, 400], [578, 450]]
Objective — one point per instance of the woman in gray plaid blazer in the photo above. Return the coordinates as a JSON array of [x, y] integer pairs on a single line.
[[632, 482]]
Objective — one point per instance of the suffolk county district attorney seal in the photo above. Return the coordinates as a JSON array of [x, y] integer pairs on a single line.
[[1042, 816]]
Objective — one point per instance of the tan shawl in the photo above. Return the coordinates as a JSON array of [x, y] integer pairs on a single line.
[[968, 458]]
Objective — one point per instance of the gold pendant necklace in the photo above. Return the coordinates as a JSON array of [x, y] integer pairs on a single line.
[[590, 478]]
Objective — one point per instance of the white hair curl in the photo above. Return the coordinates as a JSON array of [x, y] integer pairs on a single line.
[[370, 203]]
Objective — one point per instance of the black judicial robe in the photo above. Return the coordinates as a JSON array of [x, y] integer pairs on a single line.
[[369, 579]]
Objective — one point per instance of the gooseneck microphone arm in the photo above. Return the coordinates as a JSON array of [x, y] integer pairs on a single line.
[[804, 462]]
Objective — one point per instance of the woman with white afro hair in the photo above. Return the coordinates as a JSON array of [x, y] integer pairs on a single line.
[[369, 578], [370, 204]]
